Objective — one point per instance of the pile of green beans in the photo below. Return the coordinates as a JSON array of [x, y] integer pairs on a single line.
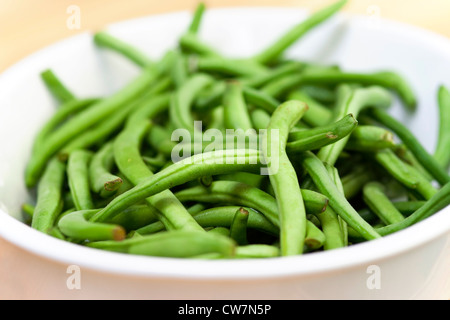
[[330, 168]]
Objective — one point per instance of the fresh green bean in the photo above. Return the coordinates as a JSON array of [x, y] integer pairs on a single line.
[[238, 227], [179, 70], [238, 193], [28, 209], [260, 119], [61, 114], [183, 98], [331, 228], [101, 180], [236, 115], [354, 181], [317, 115], [49, 196], [257, 251], [314, 238], [334, 174], [367, 138], [283, 178], [209, 163], [78, 178], [404, 173], [229, 67], [352, 102], [337, 201], [441, 152], [191, 43], [274, 73], [388, 80], [274, 51], [83, 121], [313, 139], [380, 204], [197, 18], [178, 244], [437, 202], [106, 40], [56, 87], [76, 225], [130, 163], [422, 155], [260, 99]]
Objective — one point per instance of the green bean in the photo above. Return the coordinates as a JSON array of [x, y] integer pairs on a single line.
[[217, 118], [136, 217], [331, 228], [130, 163], [314, 238], [321, 94], [106, 40], [101, 180], [334, 174], [406, 155], [28, 209], [197, 18], [380, 204], [260, 99], [191, 43], [408, 207], [312, 139], [256, 251], [236, 114], [388, 80], [258, 81], [274, 51], [283, 178], [368, 138], [437, 202], [238, 227], [242, 194], [83, 121], [159, 139], [179, 69], [223, 217], [210, 163], [56, 87], [422, 155], [404, 173], [260, 119], [354, 181], [78, 177], [178, 244], [182, 100], [337, 201], [353, 101], [76, 225], [49, 196], [220, 230], [229, 67], [317, 115], [61, 114], [211, 96], [441, 152]]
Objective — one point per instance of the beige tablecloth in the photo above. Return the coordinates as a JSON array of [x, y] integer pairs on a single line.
[[29, 25]]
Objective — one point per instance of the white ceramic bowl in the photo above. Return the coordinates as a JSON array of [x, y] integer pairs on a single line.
[[413, 263]]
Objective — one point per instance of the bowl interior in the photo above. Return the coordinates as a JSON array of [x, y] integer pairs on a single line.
[[354, 43]]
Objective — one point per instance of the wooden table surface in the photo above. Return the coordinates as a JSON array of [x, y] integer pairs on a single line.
[[29, 25]]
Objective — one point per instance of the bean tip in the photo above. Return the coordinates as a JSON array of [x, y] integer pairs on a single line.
[[119, 233], [113, 185]]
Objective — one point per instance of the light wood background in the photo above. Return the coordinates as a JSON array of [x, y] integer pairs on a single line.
[[29, 25]]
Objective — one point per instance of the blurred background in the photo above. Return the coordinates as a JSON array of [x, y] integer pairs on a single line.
[[29, 25]]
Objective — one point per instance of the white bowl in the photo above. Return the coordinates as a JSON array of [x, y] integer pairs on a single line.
[[413, 263]]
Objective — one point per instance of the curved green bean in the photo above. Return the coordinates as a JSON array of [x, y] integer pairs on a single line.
[[441, 152], [78, 178], [283, 178], [56, 87], [49, 196], [422, 155]]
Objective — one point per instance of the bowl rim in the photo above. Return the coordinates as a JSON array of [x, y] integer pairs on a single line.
[[23, 236]]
